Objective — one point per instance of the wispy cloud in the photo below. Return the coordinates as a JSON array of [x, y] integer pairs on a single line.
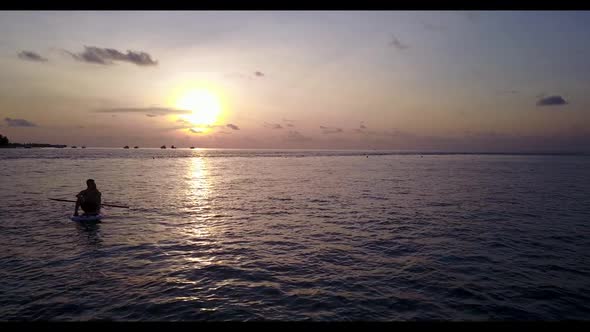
[[397, 43], [197, 129], [295, 136], [19, 123], [151, 115], [233, 126], [289, 123], [149, 110], [106, 56], [31, 56], [331, 130], [552, 101], [273, 125], [363, 125], [372, 133], [178, 127], [248, 76]]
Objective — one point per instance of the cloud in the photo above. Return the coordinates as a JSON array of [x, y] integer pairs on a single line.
[[151, 115], [289, 123], [31, 56], [552, 101], [197, 129], [248, 76], [331, 130], [232, 126], [371, 133], [149, 110], [106, 56], [295, 136], [273, 125], [174, 128], [19, 123], [362, 129], [398, 44]]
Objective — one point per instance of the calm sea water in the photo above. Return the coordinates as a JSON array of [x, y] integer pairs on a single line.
[[295, 235]]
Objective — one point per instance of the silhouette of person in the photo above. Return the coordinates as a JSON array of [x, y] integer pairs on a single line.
[[89, 200]]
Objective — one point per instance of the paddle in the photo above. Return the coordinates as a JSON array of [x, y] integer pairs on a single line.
[[67, 200]]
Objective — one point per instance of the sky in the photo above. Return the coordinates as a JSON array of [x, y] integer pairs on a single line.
[[490, 81]]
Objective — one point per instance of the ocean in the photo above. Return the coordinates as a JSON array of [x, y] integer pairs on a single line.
[[241, 235]]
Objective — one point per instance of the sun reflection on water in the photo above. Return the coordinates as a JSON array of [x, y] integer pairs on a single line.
[[198, 183], [198, 230]]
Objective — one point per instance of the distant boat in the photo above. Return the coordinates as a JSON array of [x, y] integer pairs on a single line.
[[73, 146], [83, 146], [136, 147], [192, 147], [173, 147], [163, 147], [126, 147]]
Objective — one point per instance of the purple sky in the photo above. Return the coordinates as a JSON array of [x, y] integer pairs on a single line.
[[461, 81]]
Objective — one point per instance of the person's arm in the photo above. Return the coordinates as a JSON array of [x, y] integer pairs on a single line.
[[99, 201], [78, 201]]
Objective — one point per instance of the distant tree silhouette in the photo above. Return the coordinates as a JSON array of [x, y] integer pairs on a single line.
[[4, 140]]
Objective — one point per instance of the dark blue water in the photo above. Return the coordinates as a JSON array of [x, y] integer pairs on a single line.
[[295, 235]]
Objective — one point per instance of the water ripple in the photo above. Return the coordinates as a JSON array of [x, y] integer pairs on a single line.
[[270, 235]]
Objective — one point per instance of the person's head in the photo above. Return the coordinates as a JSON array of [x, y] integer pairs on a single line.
[[90, 183]]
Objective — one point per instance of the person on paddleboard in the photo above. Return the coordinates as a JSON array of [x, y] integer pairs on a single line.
[[89, 200]]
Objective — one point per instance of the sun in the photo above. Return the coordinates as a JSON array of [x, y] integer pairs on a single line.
[[204, 104]]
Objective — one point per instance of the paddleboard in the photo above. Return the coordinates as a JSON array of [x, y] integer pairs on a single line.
[[82, 217]]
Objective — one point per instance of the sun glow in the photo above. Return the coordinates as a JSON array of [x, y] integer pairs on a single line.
[[204, 104]]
